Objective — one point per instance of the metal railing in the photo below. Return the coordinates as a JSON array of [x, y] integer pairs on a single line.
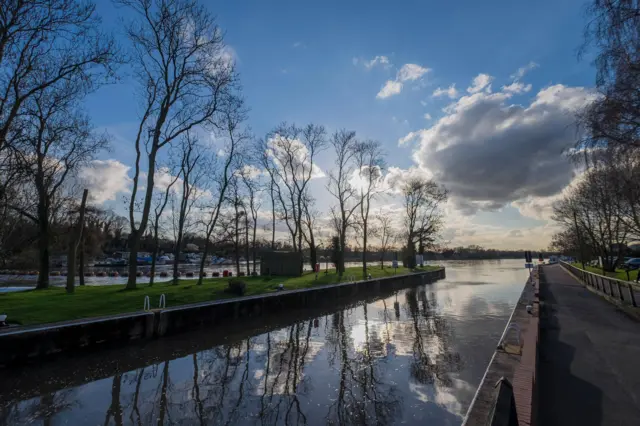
[[611, 287]]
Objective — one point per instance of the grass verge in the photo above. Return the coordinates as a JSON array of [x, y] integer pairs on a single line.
[[621, 274], [55, 304]]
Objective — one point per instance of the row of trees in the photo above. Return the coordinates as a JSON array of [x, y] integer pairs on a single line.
[[601, 213], [53, 54]]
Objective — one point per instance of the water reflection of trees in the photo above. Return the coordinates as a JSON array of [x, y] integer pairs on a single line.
[[363, 396], [430, 331], [43, 408], [262, 380]]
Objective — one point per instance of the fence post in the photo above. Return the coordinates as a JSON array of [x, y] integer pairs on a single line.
[[633, 297], [620, 291]]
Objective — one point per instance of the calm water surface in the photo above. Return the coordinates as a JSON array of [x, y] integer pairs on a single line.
[[415, 357]]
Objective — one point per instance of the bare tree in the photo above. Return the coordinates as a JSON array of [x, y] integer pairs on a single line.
[[73, 245], [46, 44], [184, 76], [592, 207], [192, 171], [55, 140], [253, 201], [221, 175], [369, 165], [340, 186], [162, 198], [289, 158], [614, 30], [385, 233], [423, 218]]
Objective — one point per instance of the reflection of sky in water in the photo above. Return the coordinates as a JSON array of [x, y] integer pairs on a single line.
[[413, 358]]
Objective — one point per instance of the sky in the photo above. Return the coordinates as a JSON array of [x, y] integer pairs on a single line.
[[480, 96]]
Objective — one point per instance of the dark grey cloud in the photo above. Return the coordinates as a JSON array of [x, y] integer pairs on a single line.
[[488, 152]]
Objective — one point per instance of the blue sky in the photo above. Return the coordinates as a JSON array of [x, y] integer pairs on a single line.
[[315, 62]]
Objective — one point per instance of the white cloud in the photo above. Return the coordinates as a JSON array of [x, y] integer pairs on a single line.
[[411, 72], [423, 103], [378, 60], [105, 179], [523, 70], [451, 92], [517, 87], [480, 82], [408, 73], [390, 88], [299, 44], [281, 148], [396, 177], [427, 116], [489, 153]]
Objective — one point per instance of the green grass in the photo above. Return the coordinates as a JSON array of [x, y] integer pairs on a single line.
[[621, 274], [55, 304]]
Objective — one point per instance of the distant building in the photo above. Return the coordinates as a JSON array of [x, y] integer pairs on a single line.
[[281, 263]]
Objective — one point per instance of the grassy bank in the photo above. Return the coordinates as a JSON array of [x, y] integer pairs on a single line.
[[621, 274], [54, 304]]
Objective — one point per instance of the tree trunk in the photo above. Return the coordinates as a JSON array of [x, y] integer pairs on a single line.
[[134, 243], [178, 247], [236, 242], [364, 250], [81, 261], [154, 255], [343, 243], [204, 257], [253, 245], [43, 254], [273, 220], [246, 239]]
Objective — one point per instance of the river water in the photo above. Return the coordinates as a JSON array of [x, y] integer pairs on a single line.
[[415, 357]]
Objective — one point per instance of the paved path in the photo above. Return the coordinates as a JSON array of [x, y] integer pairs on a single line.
[[589, 362]]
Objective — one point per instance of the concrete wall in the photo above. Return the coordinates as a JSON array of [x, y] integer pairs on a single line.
[[26, 343]]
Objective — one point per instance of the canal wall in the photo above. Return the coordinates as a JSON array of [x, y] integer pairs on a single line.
[[516, 360], [23, 344]]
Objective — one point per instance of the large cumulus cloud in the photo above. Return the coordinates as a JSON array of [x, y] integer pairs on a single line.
[[489, 152]]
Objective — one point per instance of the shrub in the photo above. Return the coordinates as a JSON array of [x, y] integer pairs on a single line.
[[237, 287]]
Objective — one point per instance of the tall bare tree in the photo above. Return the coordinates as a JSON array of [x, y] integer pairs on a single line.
[[385, 232], [45, 44], [249, 179], [340, 186], [184, 76], [192, 171], [289, 158], [423, 217], [592, 206], [221, 173], [55, 140], [614, 31], [369, 166], [162, 198]]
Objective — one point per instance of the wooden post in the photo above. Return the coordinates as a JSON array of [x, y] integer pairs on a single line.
[[73, 245]]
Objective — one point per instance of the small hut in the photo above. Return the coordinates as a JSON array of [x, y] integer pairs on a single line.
[[281, 263]]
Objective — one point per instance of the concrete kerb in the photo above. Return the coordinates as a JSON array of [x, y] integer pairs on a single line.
[[22, 343]]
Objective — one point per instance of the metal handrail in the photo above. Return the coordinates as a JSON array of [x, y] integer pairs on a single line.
[[163, 302], [597, 281], [147, 304], [635, 284]]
